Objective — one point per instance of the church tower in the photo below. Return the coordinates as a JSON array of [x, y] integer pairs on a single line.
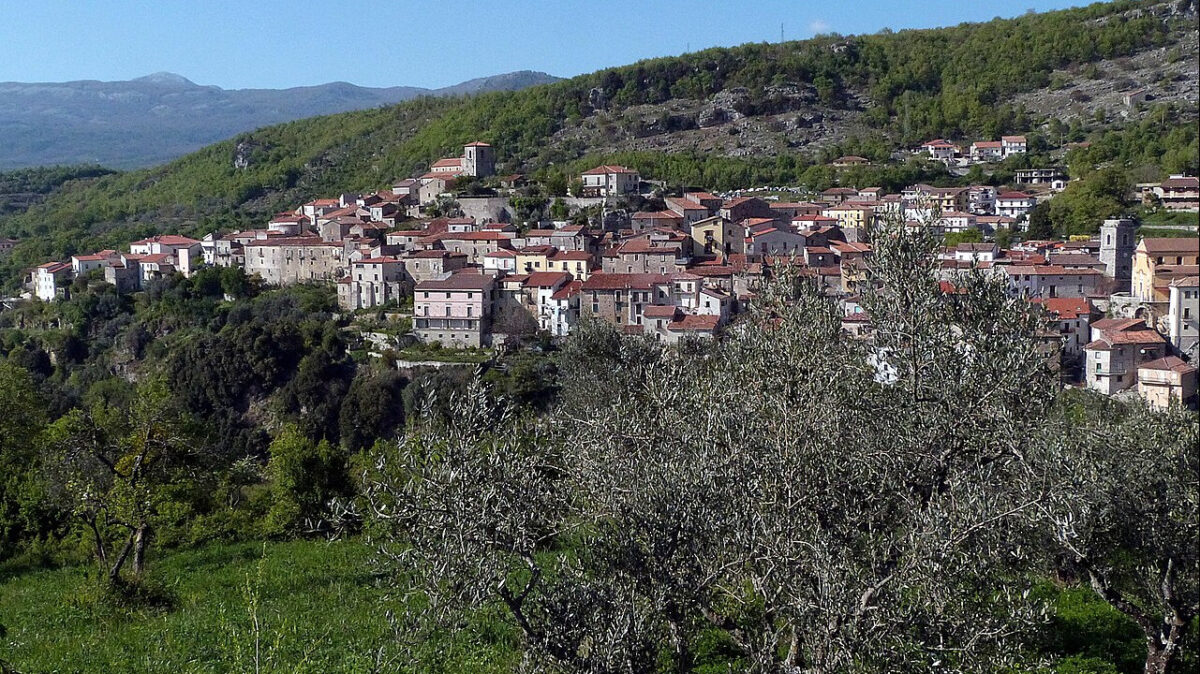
[[479, 160]]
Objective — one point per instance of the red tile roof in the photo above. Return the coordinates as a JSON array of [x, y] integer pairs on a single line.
[[1065, 308], [608, 281], [462, 280], [1171, 246], [567, 291], [1170, 363], [659, 311], [690, 323], [606, 169], [168, 240], [546, 279]]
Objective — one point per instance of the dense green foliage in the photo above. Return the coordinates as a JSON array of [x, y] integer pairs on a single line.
[[20, 189]]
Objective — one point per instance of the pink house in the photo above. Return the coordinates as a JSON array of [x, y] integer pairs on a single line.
[[454, 309]]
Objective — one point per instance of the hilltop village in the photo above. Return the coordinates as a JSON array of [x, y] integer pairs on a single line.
[[469, 273]]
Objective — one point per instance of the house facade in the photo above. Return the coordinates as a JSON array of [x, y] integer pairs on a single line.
[[455, 309]]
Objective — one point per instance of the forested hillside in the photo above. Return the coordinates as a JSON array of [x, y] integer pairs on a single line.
[[153, 119], [900, 87]]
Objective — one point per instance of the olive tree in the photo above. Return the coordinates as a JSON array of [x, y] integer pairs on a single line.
[[819, 503], [107, 468], [1129, 522]]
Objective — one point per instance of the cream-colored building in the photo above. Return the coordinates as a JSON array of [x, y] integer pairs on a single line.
[[1165, 380], [1159, 261]]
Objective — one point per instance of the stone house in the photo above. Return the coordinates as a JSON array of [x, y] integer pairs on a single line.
[[288, 260]]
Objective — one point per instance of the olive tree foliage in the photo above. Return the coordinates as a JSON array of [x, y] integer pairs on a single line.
[[1128, 522], [822, 504], [107, 467]]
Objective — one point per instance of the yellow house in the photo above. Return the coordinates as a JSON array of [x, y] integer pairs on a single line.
[[1158, 261], [718, 236], [850, 215], [577, 263], [532, 259]]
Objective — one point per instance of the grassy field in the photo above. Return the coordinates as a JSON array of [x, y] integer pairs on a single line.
[[317, 606], [319, 609]]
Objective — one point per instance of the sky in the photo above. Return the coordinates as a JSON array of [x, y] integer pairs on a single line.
[[284, 43]]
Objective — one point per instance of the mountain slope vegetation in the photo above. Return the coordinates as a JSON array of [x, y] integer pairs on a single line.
[[902, 87], [159, 117]]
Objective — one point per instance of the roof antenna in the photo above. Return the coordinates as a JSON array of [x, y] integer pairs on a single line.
[[781, 32]]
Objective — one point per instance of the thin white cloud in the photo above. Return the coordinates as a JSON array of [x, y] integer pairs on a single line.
[[818, 26]]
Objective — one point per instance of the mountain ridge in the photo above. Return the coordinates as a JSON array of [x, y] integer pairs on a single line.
[[158, 117]]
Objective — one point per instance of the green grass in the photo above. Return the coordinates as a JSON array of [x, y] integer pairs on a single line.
[[318, 606]]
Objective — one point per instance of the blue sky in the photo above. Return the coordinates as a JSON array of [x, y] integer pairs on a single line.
[[278, 43]]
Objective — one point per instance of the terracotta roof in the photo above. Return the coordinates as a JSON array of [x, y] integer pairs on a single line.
[[1118, 324], [1166, 245], [991, 144], [685, 204], [606, 169], [1124, 339], [1050, 270], [1170, 363], [546, 279], [1012, 196], [446, 163], [503, 252], [475, 236], [567, 291], [659, 311], [289, 241], [691, 323], [1065, 308], [571, 255], [1013, 139], [609, 281], [428, 254], [1183, 182], [379, 260], [168, 239], [477, 143], [462, 280], [657, 215]]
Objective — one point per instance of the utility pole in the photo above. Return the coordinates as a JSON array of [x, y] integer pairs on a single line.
[[780, 32]]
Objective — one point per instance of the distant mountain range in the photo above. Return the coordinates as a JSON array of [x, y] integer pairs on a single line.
[[152, 119]]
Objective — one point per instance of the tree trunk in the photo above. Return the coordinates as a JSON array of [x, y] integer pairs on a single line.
[[1162, 647], [139, 550], [1157, 658], [114, 572]]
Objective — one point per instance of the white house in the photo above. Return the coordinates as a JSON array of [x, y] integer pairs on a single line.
[[1013, 145], [1015, 205], [1183, 315], [50, 279], [608, 180]]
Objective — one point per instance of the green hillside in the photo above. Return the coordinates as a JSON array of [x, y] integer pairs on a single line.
[[908, 86]]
